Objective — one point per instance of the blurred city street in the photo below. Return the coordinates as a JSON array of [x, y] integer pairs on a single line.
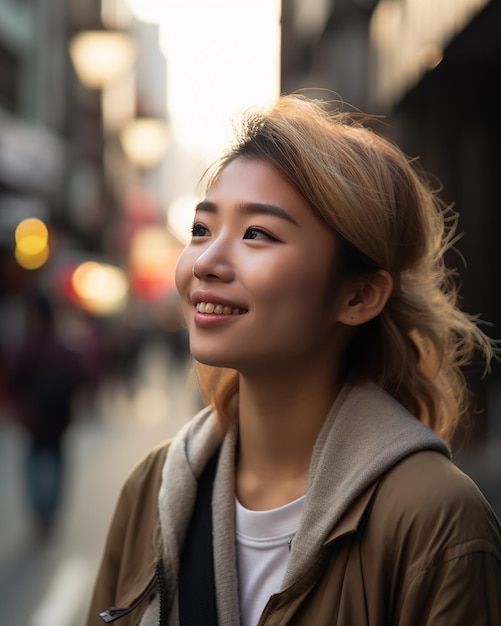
[[48, 583]]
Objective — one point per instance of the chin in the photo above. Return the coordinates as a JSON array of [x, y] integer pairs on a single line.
[[209, 359]]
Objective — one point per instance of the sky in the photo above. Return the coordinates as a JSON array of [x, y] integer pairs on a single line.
[[222, 56]]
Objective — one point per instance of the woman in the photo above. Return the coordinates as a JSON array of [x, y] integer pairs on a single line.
[[330, 344]]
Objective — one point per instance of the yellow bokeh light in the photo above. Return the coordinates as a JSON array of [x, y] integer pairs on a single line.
[[101, 288], [32, 243], [101, 57], [149, 249], [145, 141], [31, 261], [32, 227]]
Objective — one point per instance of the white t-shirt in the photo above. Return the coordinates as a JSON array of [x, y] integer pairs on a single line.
[[263, 546]]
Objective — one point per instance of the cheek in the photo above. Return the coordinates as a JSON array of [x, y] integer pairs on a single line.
[[293, 279], [183, 272]]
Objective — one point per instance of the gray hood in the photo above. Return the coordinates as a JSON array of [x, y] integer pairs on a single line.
[[366, 432]]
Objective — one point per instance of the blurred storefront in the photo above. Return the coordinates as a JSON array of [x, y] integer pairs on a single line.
[[430, 68]]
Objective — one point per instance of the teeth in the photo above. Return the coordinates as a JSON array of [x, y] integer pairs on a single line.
[[218, 309]]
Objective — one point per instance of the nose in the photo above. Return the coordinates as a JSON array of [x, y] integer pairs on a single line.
[[214, 263]]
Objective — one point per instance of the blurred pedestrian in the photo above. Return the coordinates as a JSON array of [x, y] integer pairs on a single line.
[[317, 487], [42, 379]]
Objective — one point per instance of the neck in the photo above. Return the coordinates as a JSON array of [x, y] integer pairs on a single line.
[[280, 418]]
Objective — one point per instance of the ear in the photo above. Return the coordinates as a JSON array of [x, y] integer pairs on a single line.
[[364, 298]]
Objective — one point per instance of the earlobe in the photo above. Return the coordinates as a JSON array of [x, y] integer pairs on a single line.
[[365, 298]]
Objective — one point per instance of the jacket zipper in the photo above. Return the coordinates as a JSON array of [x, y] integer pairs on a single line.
[[160, 578], [115, 613]]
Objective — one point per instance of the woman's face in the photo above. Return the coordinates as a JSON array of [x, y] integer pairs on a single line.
[[254, 280]]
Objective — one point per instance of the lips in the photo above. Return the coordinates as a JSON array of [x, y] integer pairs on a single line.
[[218, 308]]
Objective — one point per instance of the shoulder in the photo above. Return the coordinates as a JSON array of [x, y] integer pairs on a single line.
[[149, 468], [429, 478], [435, 543], [430, 537], [427, 501], [136, 508], [139, 492]]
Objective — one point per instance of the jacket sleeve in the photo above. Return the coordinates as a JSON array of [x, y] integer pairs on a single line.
[[464, 588], [130, 551]]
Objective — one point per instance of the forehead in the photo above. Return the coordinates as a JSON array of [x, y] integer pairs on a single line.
[[255, 180]]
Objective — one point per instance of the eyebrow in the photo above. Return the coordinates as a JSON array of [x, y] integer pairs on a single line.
[[251, 208]]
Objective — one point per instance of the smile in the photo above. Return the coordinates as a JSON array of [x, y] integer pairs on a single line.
[[218, 309]]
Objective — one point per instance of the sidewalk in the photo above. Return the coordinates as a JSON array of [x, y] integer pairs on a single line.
[[50, 584]]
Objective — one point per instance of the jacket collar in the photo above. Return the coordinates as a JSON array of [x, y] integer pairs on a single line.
[[351, 519], [188, 454], [365, 433]]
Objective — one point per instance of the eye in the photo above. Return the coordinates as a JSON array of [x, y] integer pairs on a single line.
[[199, 230], [258, 233]]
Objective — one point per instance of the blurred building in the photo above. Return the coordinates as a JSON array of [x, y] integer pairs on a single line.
[[431, 68], [33, 131], [83, 139], [33, 83]]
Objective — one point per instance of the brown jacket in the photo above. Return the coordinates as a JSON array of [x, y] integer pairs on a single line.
[[417, 546]]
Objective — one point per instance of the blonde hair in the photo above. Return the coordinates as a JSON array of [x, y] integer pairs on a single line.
[[387, 216]]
